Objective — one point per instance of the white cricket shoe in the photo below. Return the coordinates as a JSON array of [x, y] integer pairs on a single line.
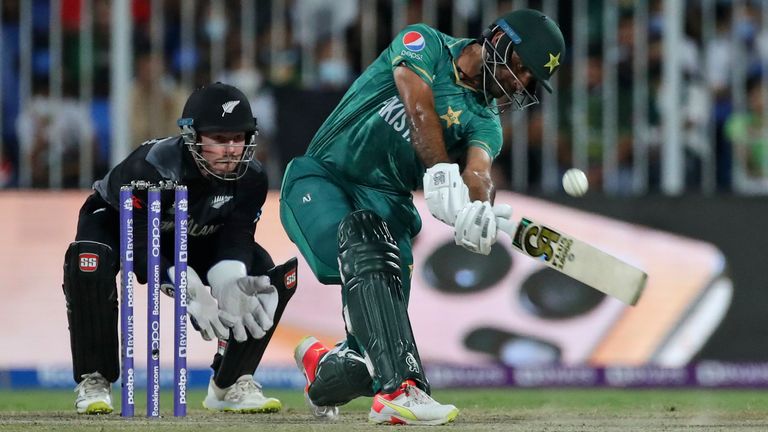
[[93, 395], [244, 396], [409, 405], [308, 355]]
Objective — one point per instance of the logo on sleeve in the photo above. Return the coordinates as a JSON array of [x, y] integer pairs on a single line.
[[414, 41], [88, 262]]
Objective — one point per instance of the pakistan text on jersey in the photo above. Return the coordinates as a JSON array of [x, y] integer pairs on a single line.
[[393, 112], [195, 229]]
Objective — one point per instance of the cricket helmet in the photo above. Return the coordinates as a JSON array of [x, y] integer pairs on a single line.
[[535, 38], [218, 107]]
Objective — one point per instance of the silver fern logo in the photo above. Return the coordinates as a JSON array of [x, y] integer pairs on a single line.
[[220, 200], [229, 106]]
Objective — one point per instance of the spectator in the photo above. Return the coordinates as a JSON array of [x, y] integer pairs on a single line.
[[60, 126], [748, 133], [155, 100]]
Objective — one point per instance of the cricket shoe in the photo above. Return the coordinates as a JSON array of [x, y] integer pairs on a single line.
[[244, 396], [409, 405], [308, 354], [93, 395]]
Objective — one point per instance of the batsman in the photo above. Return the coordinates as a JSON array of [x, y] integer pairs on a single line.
[[214, 157], [425, 112]]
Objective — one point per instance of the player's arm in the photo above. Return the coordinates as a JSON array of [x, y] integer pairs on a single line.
[[419, 103], [476, 222], [477, 175], [444, 191], [236, 235], [427, 135], [245, 302]]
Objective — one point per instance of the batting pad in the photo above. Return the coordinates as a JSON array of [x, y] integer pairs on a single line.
[[369, 264]]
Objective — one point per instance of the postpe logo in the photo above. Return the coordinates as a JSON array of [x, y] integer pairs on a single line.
[[414, 41]]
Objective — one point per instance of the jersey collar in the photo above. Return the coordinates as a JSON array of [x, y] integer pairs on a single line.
[[455, 49]]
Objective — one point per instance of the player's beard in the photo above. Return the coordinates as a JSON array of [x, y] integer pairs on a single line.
[[224, 165], [221, 165], [492, 87]]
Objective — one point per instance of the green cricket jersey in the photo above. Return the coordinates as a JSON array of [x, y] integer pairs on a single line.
[[367, 138]]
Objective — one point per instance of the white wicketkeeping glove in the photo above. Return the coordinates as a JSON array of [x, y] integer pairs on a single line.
[[445, 191], [201, 305], [245, 302], [475, 227]]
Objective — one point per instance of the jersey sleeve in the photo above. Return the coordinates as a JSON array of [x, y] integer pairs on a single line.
[[133, 168], [236, 236], [485, 133], [418, 47]]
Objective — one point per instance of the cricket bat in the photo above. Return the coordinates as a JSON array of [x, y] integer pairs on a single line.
[[577, 259]]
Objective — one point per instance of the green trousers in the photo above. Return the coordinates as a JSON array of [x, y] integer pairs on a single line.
[[313, 201]]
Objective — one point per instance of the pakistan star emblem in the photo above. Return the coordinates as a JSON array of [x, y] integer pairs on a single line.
[[554, 61], [451, 117]]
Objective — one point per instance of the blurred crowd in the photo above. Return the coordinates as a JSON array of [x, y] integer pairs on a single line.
[[724, 128], [316, 48]]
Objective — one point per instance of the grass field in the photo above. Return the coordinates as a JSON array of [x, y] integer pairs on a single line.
[[496, 409]]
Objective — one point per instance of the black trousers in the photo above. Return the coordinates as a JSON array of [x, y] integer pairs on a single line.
[[99, 222]]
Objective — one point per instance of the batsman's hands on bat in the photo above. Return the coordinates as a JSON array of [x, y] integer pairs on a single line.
[[201, 305], [245, 302], [503, 213], [445, 191], [475, 227]]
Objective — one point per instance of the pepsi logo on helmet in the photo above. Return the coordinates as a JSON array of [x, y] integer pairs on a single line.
[[414, 41]]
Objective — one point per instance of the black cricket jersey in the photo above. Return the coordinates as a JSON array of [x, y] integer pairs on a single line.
[[222, 214]]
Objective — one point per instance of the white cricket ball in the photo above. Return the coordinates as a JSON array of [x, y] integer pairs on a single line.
[[575, 182]]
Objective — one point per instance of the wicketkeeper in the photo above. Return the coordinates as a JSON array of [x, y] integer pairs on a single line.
[[235, 291]]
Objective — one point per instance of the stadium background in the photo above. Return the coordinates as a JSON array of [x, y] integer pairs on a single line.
[[660, 102]]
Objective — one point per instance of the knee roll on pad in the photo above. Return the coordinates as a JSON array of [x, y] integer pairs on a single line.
[[367, 247], [92, 308], [377, 315]]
